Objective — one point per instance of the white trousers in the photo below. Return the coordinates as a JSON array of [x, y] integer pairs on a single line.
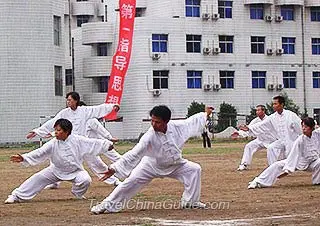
[[277, 151], [251, 148], [34, 184], [188, 173], [269, 176]]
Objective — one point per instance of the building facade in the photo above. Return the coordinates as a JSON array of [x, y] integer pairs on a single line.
[[239, 52]]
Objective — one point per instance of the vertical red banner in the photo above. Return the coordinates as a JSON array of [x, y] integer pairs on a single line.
[[121, 58]]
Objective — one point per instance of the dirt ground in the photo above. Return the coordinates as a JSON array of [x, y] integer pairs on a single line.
[[293, 200]]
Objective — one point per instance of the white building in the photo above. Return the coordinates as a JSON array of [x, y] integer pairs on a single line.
[[241, 52]]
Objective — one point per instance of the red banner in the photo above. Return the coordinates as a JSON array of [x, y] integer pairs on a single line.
[[121, 59]]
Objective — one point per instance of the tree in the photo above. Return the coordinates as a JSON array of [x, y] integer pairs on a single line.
[[226, 117], [195, 108]]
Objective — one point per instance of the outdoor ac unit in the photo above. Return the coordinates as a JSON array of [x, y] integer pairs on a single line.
[[216, 50], [205, 16], [271, 86], [215, 16], [207, 87], [279, 86], [216, 86], [279, 18], [156, 92], [279, 51], [155, 56], [268, 18], [206, 50], [269, 51]]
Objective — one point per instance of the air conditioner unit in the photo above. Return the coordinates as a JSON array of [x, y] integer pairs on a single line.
[[215, 16], [268, 18], [279, 86], [206, 87], [279, 51], [206, 50], [205, 16], [216, 86], [155, 56], [156, 92], [269, 52], [278, 18], [271, 86], [216, 50]]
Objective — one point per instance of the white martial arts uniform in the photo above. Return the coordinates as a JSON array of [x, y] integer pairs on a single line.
[[262, 141], [79, 119], [305, 155], [158, 155], [286, 127], [66, 159]]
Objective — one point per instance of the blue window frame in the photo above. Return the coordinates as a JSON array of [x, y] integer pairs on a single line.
[[289, 79], [315, 43], [257, 44], [316, 79], [192, 8], [194, 79], [256, 11], [315, 13], [159, 43], [160, 79], [288, 45], [287, 12], [259, 79], [193, 43], [225, 8], [227, 79], [226, 44]]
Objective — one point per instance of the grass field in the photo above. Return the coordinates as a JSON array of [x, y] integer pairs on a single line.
[[292, 201]]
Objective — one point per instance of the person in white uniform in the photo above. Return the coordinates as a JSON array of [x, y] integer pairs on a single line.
[[284, 124], [262, 141], [78, 116], [303, 156], [158, 154], [66, 153]]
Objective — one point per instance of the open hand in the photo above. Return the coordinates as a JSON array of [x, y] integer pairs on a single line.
[[16, 158], [31, 135], [107, 174]]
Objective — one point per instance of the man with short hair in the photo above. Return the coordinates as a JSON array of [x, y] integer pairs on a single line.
[[158, 154]]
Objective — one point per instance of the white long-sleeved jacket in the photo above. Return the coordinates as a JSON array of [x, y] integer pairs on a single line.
[[162, 150], [66, 157], [96, 130]]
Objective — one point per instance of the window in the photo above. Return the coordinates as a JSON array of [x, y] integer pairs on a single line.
[[289, 79], [225, 9], [58, 80], [160, 79], [68, 77], [315, 13], [193, 43], [102, 49], [82, 19], [140, 12], [258, 79], [56, 30], [226, 44], [316, 79], [227, 79], [192, 8], [315, 42], [257, 44], [159, 43], [288, 45], [194, 79], [287, 12], [256, 11], [103, 83]]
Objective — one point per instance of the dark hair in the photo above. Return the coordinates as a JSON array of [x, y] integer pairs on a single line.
[[74, 96], [162, 112], [65, 125], [263, 108], [81, 103], [308, 122], [280, 99]]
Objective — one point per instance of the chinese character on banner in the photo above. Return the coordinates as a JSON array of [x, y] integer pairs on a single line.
[[121, 59]]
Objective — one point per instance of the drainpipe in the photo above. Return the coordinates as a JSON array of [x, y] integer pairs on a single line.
[[303, 62]]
